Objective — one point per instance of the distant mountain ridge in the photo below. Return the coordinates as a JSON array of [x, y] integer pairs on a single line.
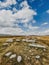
[[20, 35]]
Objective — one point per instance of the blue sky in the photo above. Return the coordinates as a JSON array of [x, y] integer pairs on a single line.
[[24, 17]]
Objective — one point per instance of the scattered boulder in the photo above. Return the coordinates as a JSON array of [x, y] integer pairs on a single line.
[[30, 50], [9, 40], [32, 54], [30, 40], [13, 56], [23, 40], [17, 40], [37, 46], [8, 54], [5, 44], [28, 58], [19, 59], [37, 56], [44, 49]]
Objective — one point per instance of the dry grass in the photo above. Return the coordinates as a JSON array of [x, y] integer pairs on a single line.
[[28, 53]]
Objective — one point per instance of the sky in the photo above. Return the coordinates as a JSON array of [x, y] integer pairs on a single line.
[[24, 17]]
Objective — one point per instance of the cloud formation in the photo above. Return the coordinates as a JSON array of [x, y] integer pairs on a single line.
[[8, 19], [47, 11], [45, 23], [7, 3], [20, 20]]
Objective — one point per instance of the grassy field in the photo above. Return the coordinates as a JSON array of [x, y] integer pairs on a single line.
[[30, 55]]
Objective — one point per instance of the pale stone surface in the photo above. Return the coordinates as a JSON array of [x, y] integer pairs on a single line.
[[37, 57], [4, 44], [37, 45], [23, 40], [19, 59], [13, 56], [30, 40], [9, 40], [17, 40], [8, 54]]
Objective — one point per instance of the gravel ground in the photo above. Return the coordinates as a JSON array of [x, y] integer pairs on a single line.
[[28, 55]]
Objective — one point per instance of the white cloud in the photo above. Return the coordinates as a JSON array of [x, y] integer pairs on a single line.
[[33, 27], [31, 32], [45, 23], [44, 32], [24, 4], [24, 15], [37, 32], [30, 27], [15, 10], [12, 31], [34, 21], [7, 3], [47, 11], [7, 18]]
